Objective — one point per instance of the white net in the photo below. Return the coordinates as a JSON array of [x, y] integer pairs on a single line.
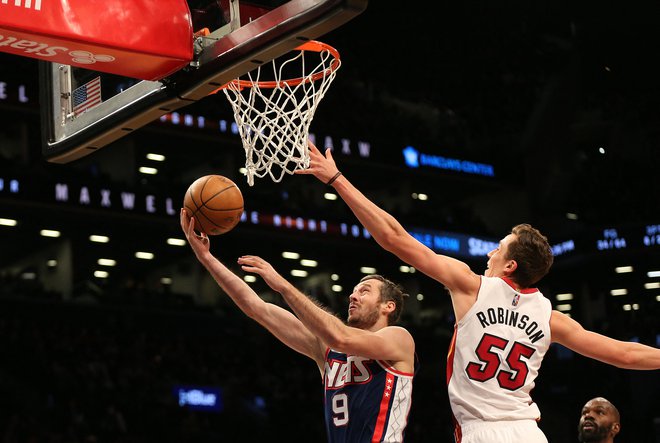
[[273, 115]]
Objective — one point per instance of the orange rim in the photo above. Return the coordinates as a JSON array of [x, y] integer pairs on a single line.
[[311, 45]]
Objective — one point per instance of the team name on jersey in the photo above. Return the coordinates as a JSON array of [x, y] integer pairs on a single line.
[[508, 317], [341, 373]]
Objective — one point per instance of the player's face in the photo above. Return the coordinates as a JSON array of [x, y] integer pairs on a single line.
[[596, 421], [497, 258], [364, 304]]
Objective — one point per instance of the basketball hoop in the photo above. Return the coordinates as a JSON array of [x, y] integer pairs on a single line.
[[273, 115]]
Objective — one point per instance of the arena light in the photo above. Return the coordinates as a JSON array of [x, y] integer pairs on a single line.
[[8, 222], [652, 285], [618, 292], [155, 157], [290, 255], [144, 255], [627, 307], [564, 297], [564, 307], [148, 170], [623, 269], [176, 241], [571, 216], [330, 196], [28, 275], [420, 297], [334, 277], [166, 280], [422, 197], [106, 262], [49, 233], [250, 278], [99, 238], [336, 288], [299, 273], [309, 263], [101, 274], [652, 274], [52, 263], [367, 270]]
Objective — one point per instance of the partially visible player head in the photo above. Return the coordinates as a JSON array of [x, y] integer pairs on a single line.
[[599, 421], [373, 298], [524, 255]]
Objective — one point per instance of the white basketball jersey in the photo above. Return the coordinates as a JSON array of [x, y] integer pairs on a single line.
[[496, 353]]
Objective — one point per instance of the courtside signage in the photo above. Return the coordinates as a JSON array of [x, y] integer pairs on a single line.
[[13, 92], [342, 145], [454, 244], [416, 159], [199, 398], [9, 185], [450, 243]]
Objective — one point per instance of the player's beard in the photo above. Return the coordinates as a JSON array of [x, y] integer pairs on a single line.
[[598, 433], [365, 322]]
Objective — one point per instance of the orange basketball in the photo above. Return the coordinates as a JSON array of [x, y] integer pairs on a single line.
[[215, 202]]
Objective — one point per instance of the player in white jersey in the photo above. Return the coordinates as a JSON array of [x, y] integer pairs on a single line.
[[367, 365], [503, 328]]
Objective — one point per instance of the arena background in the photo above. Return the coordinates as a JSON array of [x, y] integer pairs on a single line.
[[544, 112]]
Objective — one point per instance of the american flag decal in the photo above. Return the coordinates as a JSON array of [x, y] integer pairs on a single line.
[[87, 96]]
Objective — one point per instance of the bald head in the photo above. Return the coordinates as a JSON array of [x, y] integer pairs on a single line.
[[599, 421], [605, 403]]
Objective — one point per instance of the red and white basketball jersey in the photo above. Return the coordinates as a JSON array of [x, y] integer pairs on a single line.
[[496, 353]]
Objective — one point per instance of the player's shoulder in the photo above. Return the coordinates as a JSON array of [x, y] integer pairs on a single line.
[[396, 331], [397, 328]]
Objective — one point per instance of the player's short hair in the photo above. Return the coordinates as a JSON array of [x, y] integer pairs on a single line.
[[532, 253], [390, 291]]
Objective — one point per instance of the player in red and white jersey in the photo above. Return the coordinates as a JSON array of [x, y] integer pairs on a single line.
[[503, 328], [368, 365], [507, 325], [502, 318]]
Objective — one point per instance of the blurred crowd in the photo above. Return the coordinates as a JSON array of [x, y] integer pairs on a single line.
[[80, 372]]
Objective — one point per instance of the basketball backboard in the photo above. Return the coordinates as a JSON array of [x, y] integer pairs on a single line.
[[85, 110]]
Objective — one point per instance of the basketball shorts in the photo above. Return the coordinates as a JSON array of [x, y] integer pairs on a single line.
[[517, 431]]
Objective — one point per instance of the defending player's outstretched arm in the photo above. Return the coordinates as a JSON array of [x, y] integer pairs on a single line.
[[390, 343], [622, 354], [280, 322], [388, 232]]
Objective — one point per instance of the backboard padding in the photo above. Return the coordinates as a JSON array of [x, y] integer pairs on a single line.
[[222, 59]]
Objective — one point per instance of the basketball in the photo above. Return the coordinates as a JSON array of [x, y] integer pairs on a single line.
[[215, 202]]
